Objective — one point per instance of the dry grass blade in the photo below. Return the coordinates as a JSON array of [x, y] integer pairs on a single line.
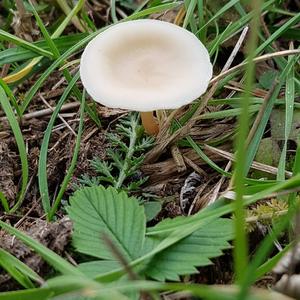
[[255, 60], [255, 165]]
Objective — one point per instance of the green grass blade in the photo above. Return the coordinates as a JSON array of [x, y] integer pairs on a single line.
[[296, 167], [278, 33], [205, 158], [239, 8], [68, 18], [271, 263], [73, 162], [240, 251], [214, 45], [21, 146], [113, 11], [18, 270], [4, 202], [224, 8], [152, 10], [30, 46], [16, 54], [189, 19], [42, 167], [57, 262], [10, 94], [243, 21], [201, 20], [228, 113], [75, 288], [45, 33], [30, 294], [289, 112], [254, 144]]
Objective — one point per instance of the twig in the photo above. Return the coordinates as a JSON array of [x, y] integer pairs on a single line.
[[194, 166], [59, 140], [59, 115], [61, 126], [26, 215], [178, 158], [45, 112], [70, 259], [5, 69], [89, 135]]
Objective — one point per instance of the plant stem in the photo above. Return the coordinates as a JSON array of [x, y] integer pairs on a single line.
[[149, 123], [129, 154]]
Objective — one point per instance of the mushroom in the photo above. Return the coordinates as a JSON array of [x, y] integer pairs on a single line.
[[145, 65]]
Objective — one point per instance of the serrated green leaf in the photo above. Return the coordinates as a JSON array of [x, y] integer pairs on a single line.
[[96, 211], [194, 251]]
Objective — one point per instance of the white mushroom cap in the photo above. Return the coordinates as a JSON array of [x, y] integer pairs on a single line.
[[145, 65]]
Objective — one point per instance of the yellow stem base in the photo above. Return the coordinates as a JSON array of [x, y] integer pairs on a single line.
[[149, 123]]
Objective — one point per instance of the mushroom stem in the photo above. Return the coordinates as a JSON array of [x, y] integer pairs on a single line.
[[149, 123]]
